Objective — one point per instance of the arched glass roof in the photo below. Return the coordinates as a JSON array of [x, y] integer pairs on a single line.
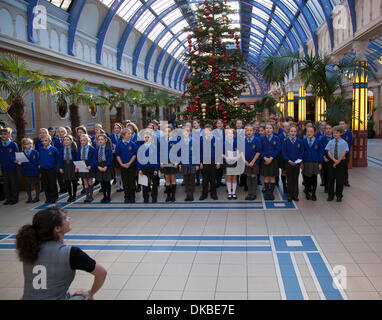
[[267, 27]]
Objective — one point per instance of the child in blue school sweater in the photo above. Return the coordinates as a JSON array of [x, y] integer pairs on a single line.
[[312, 163], [48, 163], [30, 170]]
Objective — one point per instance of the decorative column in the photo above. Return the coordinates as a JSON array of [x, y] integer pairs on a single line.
[[290, 104], [281, 106], [320, 109], [302, 103], [359, 122]]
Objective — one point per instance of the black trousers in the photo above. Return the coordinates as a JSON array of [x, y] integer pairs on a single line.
[[28, 189], [154, 181], [189, 183], [336, 176], [48, 178], [209, 178], [346, 174], [11, 185], [325, 173], [71, 187], [311, 184], [61, 181], [128, 180], [219, 175], [292, 174]]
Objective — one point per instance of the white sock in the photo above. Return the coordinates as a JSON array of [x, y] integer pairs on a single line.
[[229, 186], [234, 185]]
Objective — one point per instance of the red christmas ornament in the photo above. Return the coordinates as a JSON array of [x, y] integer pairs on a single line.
[[225, 117], [196, 97], [189, 36], [224, 112], [185, 118], [211, 61], [226, 58], [207, 12], [206, 84], [237, 36]]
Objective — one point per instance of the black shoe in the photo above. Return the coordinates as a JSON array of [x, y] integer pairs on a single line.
[[248, 197], [339, 199], [35, 200], [83, 191], [104, 199], [132, 200], [7, 202], [234, 196], [322, 184], [198, 183], [62, 191], [326, 190], [330, 198], [12, 202], [138, 189], [289, 199], [202, 197], [347, 184], [295, 198], [120, 190], [154, 200], [308, 197], [214, 196], [229, 197], [314, 198], [29, 200], [70, 199], [146, 200], [127, 201], [46, 201]]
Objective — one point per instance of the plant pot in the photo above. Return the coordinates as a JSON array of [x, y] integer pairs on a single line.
[[370, 134]]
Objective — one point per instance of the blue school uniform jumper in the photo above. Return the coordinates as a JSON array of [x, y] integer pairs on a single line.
[[8, 151], [313, 155], [31, 174], [126, 150], [49, 159], [292, 150], [271, 147]]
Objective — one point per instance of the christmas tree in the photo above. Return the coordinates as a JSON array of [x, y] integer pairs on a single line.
[[214, 59]]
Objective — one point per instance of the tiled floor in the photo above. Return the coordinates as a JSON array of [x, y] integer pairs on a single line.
[[347, 234]]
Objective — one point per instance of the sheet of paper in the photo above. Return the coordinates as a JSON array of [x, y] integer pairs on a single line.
[[298, 161], [143, 180], [21, 157], [81, 166]]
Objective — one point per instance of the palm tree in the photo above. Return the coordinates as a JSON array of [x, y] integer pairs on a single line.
[[323, 76], [77, 94], [266, 103], [115, 99], [16, 81]]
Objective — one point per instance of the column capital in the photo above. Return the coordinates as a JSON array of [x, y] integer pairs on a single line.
[[360, 47]]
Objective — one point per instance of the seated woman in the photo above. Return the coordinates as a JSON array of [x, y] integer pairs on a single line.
[[49, 265]]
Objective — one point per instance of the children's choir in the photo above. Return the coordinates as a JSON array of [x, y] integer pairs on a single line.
[[127, 155]]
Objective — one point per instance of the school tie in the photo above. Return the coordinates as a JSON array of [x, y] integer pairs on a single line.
[[310, 142], [336, 150], [67, 154], [269, 138], [125, 143], [83, 154], [100, 155], [4, 144], [293, 139], [28, 153], [249, 140]]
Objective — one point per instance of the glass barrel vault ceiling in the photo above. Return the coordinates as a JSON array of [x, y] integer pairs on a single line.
[[268, 27]]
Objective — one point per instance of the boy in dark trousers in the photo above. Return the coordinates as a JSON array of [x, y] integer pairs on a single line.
[[126, 154], [325, 163], [347, 135], [253, 148], [337, 149], [48, 163], [292, 152], [8, 150], [207, 163]]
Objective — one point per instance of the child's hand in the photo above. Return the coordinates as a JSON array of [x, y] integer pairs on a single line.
[[302, 166], [61, 171], [218, 166], [319, 166], [246, 163], [201, 166], [140, 172]]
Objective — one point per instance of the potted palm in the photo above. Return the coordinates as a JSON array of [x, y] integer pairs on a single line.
[[16, 81]]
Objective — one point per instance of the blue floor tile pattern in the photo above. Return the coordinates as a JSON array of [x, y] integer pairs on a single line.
[[283, 247]]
